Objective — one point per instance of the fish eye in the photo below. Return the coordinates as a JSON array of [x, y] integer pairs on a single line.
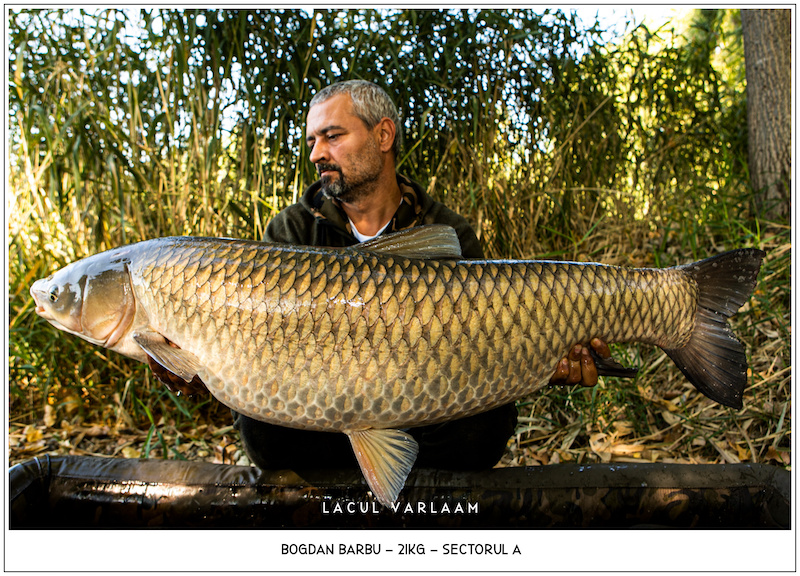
[[54, 294]]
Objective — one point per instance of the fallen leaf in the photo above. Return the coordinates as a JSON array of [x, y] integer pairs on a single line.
[[669, 417], [727, 455], [71, 404], [699, 442], [623, 427], [49, 415], [32, 434], [33, 448], [743, 452], [782, 456], [131, 452], [97, 431], [598, 445], [223, 452]]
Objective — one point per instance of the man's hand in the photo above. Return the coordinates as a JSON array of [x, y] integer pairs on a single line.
[[578, 365]]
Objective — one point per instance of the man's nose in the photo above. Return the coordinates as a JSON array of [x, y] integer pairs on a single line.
[[319, 153]]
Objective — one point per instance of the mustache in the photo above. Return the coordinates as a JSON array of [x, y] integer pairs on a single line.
[[332, 167]]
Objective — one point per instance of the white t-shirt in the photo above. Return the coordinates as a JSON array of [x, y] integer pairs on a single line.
[[363, 238]]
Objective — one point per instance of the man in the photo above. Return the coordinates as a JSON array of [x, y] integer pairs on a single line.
[[353, 133]]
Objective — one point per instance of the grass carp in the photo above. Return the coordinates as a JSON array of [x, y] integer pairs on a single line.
[[395, 333]]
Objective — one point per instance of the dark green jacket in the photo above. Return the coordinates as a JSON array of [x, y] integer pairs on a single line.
[[319, 221]]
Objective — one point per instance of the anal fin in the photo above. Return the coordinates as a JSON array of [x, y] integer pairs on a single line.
[[385, 458], [180, 362]]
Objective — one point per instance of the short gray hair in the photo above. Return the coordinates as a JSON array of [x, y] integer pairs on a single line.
[[370, 104]]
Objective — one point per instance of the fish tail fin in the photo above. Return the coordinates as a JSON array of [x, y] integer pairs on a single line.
[[714, 359]]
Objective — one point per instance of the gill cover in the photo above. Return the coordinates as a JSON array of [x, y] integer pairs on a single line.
[[91, 298]]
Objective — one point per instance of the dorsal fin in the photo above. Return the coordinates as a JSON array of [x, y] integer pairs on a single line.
[[433, 241]]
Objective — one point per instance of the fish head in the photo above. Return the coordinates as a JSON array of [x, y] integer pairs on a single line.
[[91, 298]]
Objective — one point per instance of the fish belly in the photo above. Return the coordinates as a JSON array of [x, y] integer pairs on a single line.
[[341, 340]]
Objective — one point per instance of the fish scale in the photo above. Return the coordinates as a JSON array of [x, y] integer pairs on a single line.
[[413, 337], [396, 333]]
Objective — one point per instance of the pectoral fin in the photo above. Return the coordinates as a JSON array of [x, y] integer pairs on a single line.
[[176, 384], [179, 362], [386, 458]]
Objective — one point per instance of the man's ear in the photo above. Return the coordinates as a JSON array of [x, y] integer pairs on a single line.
[[386, 131]]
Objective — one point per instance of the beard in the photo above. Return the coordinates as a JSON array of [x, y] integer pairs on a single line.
[[363, 175], [335, 186]]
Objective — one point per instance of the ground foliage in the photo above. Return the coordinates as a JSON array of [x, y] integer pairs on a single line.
[[130, 125]]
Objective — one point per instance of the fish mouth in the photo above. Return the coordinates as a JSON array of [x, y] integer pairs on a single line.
[[36, 293], [41, 296]]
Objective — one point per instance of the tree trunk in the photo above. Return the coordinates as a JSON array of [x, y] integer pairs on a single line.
[[768, 68]]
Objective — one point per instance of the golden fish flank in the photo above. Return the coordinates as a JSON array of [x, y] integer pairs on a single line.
[[395, 333]]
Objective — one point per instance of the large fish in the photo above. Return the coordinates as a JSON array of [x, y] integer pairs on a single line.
[[395, 333]]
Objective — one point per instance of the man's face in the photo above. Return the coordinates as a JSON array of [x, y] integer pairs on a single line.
[[345, 152]]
